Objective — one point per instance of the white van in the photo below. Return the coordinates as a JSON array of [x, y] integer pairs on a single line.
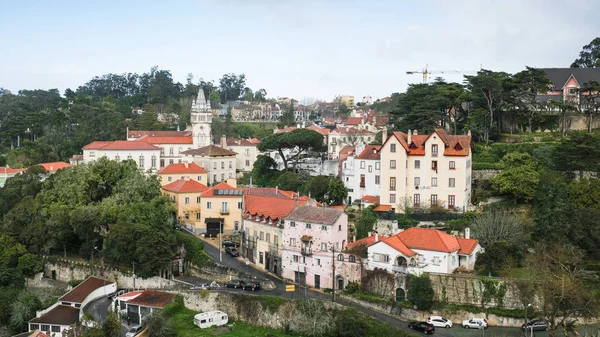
[[207, 319]]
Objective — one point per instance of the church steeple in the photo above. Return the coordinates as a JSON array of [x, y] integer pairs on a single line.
[[201, 119]]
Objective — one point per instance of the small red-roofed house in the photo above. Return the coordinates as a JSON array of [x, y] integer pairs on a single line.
[[136, 305], [185, 194], [422, 250], [174, 172]]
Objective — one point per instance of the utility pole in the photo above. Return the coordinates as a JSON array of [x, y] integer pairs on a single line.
[[332, 273], [133, 275], [220, 248]]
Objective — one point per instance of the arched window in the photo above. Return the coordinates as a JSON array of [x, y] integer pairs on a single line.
[[401, 261], [340, 257], [351, 258]]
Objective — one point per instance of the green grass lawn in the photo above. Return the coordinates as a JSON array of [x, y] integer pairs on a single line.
[[183, 323]]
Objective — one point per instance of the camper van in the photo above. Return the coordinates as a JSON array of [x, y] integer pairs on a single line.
[[210, 318]]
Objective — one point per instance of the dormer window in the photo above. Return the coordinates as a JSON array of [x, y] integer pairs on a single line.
[[458, 146]]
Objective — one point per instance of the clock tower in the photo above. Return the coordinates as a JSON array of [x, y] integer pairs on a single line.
[[201, 119]]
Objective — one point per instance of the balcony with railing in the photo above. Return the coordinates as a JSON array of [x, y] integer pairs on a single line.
[[274, 249], [224, 211], [306, 251]]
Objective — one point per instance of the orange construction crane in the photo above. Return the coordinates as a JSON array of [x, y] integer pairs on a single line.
[[426, 72]]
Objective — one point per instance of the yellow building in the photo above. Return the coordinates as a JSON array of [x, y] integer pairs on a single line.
[[190, 171], [348, 101], [221, 205], [185, 194]]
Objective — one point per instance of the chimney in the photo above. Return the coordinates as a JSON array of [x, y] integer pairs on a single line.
[[467, 233], [303, 125], [415, 132], [369, 234], [276, 189], [376, 237], [185, 163], [223, 141], [409, 137], [469, 133]]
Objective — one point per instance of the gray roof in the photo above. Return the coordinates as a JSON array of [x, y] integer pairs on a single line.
[[559, 76], [318, 215]]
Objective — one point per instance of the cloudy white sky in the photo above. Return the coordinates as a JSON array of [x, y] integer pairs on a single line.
[[298, 48]]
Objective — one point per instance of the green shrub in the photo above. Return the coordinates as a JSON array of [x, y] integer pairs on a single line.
[[327, 290], [174, 307], [75, 283], [204, 293], [352, 287], [349, 323], [486, 166], [271, 303], [420, 291], [371, 298]]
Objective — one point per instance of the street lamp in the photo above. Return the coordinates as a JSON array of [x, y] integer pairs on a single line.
[[220, 248], [525, 325]]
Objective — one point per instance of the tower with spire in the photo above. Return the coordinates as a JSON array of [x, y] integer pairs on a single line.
[[201, 119]]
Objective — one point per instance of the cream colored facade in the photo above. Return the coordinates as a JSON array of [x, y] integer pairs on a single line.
[[268, 239], [187, 205], [220, 168], [226, 207], [145, 159], [245, 158], [169, 178], [348, 101], [424, 180]]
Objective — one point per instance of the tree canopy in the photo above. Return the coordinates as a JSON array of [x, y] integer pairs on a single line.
[[589, 57], [290, 145]]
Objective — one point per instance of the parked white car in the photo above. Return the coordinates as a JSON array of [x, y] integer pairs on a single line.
[[475, 323], [439, 322]]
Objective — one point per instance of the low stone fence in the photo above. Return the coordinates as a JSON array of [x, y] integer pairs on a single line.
[[222, 274]]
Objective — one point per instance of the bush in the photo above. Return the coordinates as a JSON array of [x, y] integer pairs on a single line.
[[271, 303], [420, 291], [74, 283], [352, 287], [327, 290], [349, 323], [175, 306], [371, 298]]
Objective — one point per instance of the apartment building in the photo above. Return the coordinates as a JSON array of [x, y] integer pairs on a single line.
[[361, 174], [431, 170]]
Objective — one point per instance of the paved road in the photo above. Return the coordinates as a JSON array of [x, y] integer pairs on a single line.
[[240, 264], [99, 309]]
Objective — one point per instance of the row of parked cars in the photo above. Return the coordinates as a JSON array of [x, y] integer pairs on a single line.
[[236, 284], [428, 327]]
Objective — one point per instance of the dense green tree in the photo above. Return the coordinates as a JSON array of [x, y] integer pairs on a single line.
[[589, 57], [10, 251], [420, 291], [111, 327], [23, 310], [316, 187], [337, 193], [288, 181], [30, 264], [349, 323], [519, 176], [159, 325], [365, 222], [551, 208], [232, 87], [498, 256], [287, 118], [27, 184], [590, 95], [528, 84], [579, 152], [295, 143]]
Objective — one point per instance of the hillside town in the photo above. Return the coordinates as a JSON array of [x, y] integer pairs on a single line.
[[137, 205]]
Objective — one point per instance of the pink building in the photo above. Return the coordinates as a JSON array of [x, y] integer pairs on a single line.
[[313, 240]]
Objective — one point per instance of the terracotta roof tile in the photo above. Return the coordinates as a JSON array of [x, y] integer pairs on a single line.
[[399, 245], [240, 142], [55, 166], [8, 170], [353, 121], [352, 131], [273, 208], [166, 140], [382, 208], [369, 240], [369, 199], [323, 131], [83, 289], [210, 151], [152, 298], [120, 145], [337, 207], [182, 168], [220, 186], [467, 245], [59, 315], [185, 186], [319, 215], [458, 145], [428, 239], [370, 152]]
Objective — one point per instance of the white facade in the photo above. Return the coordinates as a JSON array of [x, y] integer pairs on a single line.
[[201, 119], [361, 174], [247, 153], [220, 168], [426, 176], [339, 138], [146, 159]]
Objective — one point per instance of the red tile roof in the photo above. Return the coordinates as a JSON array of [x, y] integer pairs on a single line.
[[323, 131], [220, 186], [139, 133], [255, 140], [371, 152], [182, 168], [353, 121], [369, 199], [456, 145], [369, 240], [152, 298], [55, 166], [397, 243], [382, 208], [185, 186], [428, 239], [467, 246], [268, 207], [8, 170], [352, 131], [59, 315], [83, 289], [120, 145], [210, 151], [337, 207], [318, 215], [240, 142], [166, 140], [37, 333], [288, 129]]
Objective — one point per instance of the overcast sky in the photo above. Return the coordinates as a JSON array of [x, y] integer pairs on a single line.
[[298, 48]]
